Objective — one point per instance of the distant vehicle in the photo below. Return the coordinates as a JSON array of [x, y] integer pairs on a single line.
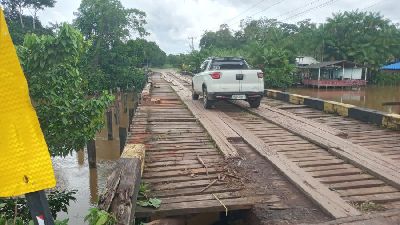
[[228, 78]]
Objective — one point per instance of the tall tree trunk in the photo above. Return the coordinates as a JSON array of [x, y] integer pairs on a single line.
[[34, 19], [20, 16]]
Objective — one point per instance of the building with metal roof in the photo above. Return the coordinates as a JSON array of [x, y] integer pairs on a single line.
[[394, 66], [340, 73]]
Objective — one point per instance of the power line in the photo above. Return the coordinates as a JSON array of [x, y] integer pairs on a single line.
[[374, 4], [294, 10], [263, 10], [244, 11], [324, 4]]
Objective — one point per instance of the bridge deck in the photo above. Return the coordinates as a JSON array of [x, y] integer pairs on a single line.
[[377, 139], [176, 148], [360, 178], [345, 176]]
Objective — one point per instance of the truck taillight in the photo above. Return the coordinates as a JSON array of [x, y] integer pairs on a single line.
[[260, 75], [216, 75]]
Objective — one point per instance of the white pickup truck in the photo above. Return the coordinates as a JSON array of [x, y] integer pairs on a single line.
[[228, 78]]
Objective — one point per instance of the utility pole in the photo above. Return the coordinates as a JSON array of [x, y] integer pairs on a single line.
[[192, 43]]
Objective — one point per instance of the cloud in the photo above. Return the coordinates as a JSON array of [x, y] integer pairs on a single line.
[[172, 22]]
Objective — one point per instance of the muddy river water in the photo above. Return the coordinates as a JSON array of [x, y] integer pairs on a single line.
[[73, 172], [372, 97]]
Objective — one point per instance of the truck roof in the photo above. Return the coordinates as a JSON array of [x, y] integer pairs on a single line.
[[225, 58]]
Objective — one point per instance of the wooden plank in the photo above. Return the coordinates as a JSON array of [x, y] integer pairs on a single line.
[[367, 191], [336, 172], [377, 198], [374, 163], [389, 217], [337, 179], [328, 167], [218, 130], [184, 208], [356, 184], [331, 202]]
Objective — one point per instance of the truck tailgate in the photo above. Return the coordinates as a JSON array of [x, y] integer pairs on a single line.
[[251, 82]]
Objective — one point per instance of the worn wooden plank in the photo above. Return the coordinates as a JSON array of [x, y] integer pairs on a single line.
[[377, 198], [337, 179], [212, 205], [356, 184], [374, 163], [331, 202], [217, 129], [367, 191], [390, 217]]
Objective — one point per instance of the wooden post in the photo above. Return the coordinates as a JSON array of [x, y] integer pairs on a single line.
[[109, 125], [131, 113], [39, 208], [343, 72], [125, 102], [122, 138], [91, 150], [122, 188], [319, 76]]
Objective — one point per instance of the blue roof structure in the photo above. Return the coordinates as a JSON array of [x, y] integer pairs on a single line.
[[394, 66]]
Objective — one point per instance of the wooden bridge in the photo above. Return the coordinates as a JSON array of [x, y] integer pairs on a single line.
[[281, 162]]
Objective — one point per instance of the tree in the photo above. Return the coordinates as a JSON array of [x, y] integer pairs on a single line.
[[16, 6], [19, 24], [111, 62], [37, 5], [366, 38], [106, 23], [67, 116]]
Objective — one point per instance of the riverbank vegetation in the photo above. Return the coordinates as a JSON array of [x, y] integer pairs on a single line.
[[387, 78], [367, 38], [72, 71]]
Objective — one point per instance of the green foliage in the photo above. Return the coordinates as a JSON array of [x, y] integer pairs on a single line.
[[99, 217], [11, 208], [151, 202], [67, 116], [387, 78], [20, 24], [59, 200], [276, 64], [143, 197], [366, 38], [113, 60]]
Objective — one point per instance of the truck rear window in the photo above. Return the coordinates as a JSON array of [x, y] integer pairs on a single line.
[[228, 65]]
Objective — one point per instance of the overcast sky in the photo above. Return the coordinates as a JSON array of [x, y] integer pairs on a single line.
[[172, 22]]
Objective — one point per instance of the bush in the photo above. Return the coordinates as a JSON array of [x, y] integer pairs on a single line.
[[387, 78]]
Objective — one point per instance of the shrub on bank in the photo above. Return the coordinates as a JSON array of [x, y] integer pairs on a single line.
[[387, 78]]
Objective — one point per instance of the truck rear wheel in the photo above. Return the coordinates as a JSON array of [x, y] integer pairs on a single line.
[[255, 102], [195, 96], [206, 102]]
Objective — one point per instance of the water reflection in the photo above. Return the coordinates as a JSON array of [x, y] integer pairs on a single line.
[[73, 171], [371, 96]]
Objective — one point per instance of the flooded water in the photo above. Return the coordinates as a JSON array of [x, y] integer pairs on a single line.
[[372, 97], [73, 172]]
